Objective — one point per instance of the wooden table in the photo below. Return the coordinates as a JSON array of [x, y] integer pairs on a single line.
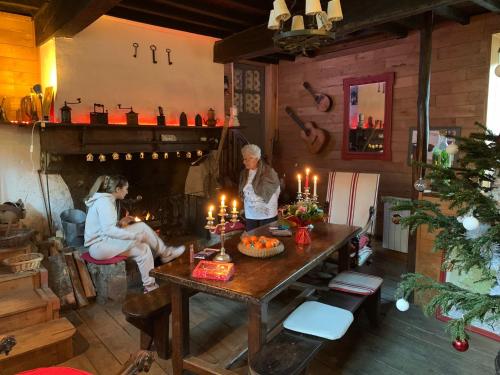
[[256, 282]]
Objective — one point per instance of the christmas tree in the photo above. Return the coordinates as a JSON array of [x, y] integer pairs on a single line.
[[470, 241]]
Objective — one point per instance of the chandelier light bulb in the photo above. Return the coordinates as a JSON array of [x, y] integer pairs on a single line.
[[297, 23], [281, 10], [273, 23], [335, 11], [323, 22], [313, 7]]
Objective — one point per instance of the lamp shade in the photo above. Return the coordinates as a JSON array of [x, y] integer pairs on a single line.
[[335, 11], [281, 10], [297, 23], [273, 23], [313, 7], [323, 22]]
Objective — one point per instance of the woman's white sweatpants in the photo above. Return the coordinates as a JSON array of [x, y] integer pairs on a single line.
[[143, 253]]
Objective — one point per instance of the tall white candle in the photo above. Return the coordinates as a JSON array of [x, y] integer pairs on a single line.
[[210, 210], [222, 201], [315, 185], [299, 178]]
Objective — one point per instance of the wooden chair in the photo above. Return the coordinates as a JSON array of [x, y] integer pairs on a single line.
[[352, 200], [150, 313]]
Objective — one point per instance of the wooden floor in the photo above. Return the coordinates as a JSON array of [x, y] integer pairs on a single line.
[[405, 343]]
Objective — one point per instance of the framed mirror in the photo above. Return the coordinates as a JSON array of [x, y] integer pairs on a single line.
[[367, 117]]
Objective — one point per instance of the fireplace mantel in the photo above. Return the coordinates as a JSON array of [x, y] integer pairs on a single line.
[[84, 138]]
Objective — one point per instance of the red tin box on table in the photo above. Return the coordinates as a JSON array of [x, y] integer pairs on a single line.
[[207, 269]]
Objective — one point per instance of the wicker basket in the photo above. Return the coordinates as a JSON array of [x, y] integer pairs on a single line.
[[16, 237], [24, 262], [261, 253]]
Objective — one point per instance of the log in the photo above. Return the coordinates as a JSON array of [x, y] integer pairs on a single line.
[[87, 284], [75, 280], [59, 280]]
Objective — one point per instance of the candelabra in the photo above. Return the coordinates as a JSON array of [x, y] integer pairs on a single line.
[[212, 227]]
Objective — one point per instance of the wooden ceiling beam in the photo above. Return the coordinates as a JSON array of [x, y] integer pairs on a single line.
[[165, 22], [246, 6], [194, 7], [491, 5], [27, 7], [358, 15], [399, 31], [176, 17], [67, 18], [453, 15]]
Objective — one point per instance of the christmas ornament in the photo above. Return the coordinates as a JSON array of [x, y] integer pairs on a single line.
[[141, 155], [154, 156], [128, 156], [102, 158], [178, 154], [420, 185], [402, 304], [470, 223], [452, 149], [90, 157], [165, 155], [115, 156], [461, 345], [199, 153]]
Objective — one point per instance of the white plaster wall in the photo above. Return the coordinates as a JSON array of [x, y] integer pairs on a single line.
[[493, 113], [97, 65], [19, 178]]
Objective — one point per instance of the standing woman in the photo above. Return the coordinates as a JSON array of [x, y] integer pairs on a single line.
[[259, 188], [107, 237]]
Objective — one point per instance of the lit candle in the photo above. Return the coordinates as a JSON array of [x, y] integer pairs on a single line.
[[223, 199], [210, 210], [315, 185], [307, 177], [299, 178], [234, 206]]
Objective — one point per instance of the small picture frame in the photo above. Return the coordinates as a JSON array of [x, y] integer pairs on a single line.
[[448, 131]]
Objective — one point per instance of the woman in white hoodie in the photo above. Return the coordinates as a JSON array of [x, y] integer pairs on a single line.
[[107, 237]]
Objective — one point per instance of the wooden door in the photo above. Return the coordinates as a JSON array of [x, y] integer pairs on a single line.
[[249, 98]]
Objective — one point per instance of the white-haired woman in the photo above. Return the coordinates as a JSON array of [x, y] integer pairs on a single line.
[[259, 188], [107, 237]]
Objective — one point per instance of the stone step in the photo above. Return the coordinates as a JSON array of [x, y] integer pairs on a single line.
[[24, 308], [41, 345], [28, 280]]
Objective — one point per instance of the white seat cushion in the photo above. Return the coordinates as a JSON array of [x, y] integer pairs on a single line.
[[318, 319], [356, 283]]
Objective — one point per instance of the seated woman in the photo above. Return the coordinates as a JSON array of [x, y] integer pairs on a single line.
[[107, 237], [259, 187]]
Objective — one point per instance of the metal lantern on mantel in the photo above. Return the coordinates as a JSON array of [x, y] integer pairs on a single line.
[[301, 34]]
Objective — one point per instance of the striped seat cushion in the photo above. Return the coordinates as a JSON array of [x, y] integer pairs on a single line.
[[355, 283], [320, 320]]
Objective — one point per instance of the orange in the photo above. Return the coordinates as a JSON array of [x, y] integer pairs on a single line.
[[269, 244], [253, 238], [258, 245]]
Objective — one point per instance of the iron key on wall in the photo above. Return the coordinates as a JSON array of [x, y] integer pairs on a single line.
[[135, 45], [168, 50], [152, 47]]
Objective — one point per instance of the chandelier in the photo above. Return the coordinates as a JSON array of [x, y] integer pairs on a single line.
[[303, 34]]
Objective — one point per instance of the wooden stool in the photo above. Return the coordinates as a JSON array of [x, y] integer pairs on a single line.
[[150, 313], [109, 277]]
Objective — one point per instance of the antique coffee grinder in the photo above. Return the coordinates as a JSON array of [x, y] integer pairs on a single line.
[[132, 117], [66, 111], [99, 118]]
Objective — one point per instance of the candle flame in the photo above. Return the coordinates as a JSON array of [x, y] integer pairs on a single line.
[[299, 176], [307, 171], [148, 215], [315, 178]]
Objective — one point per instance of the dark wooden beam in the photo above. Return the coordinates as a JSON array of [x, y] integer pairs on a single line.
[[394, 28], [246, 6], [67, 18], [358, 15], [453, 15], [176, 16], [165, 22], [424, 88], [491, 5], [194, 7], [27, 7]]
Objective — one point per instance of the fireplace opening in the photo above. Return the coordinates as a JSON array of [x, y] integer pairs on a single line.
[[156, 189]]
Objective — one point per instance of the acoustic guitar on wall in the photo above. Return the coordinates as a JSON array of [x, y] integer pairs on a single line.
[[323, 101], [315, 137]]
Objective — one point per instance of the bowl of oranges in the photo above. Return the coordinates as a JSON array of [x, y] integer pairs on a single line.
[[260, 246]]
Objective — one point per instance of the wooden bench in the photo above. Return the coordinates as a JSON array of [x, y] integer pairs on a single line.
[[150, 314]]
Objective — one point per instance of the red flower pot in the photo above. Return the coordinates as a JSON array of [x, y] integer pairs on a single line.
[[302, 236]]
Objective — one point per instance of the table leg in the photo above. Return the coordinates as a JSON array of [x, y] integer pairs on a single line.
[[344, 258], [180, 326], [257, 328]]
